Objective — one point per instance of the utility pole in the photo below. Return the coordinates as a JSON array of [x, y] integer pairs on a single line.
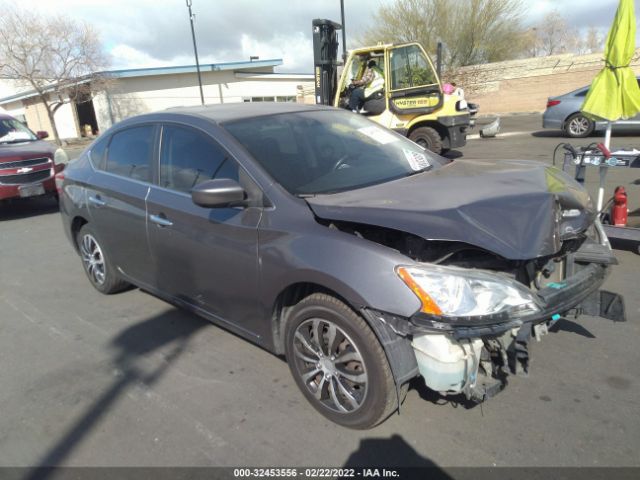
[[195, 49]]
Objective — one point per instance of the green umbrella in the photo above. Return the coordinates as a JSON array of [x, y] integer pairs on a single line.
[[614, 93]]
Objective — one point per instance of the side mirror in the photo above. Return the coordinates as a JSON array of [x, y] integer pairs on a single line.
[[41, 134], [221, 192]]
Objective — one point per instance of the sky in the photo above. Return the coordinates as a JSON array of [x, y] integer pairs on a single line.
[[151, 33]]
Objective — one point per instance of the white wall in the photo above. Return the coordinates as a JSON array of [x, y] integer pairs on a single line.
[[66, 122], [133, 96]]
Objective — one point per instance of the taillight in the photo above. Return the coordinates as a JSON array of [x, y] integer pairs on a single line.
[[59, 181], [551, 103]]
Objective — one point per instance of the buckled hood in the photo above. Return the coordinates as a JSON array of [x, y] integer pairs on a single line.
[[517, 209]]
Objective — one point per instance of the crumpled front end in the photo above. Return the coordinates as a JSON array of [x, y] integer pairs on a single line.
[[474, 350]]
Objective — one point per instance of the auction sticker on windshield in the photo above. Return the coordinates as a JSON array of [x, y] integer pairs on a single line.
[[417, 161], [378, 134]]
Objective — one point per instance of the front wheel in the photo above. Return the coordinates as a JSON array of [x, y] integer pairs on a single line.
[[578, 126], [428, 138], [338, 363]]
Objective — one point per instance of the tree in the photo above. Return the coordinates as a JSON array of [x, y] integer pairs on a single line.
[[593, 41], [554, 35], [55, 56], [472, 31]]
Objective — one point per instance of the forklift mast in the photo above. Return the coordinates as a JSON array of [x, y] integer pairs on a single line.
[[325, 59]]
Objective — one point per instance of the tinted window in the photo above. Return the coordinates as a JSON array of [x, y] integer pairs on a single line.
[[582, 93], [97, 152], [129, 153], [188, 157]]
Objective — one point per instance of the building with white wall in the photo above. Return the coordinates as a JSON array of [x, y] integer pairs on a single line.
[[134, 91]]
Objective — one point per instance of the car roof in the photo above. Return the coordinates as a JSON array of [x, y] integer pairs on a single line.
[[228, 112]]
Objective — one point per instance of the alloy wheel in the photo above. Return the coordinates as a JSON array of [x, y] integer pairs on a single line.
[[330, 365], [579, 126]]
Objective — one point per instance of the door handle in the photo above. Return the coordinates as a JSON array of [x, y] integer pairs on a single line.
[[160, 220], [97, 201]]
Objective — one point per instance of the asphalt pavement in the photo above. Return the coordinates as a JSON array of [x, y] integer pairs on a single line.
[[128, 380]]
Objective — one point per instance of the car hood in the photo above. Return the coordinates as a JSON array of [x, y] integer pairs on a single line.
[[517, 209], [10, 152]]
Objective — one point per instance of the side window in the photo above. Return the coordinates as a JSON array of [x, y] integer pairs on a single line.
[[410, 68], [97, 153], [583, 93], [129, 153], [188, 157]]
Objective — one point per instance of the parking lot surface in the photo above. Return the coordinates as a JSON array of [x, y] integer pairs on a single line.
[[128, 380]]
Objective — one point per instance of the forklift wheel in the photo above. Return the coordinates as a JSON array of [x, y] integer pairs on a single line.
[[427, 137]]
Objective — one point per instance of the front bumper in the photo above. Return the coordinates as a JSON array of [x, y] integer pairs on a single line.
[[457, 126], [448, 356]]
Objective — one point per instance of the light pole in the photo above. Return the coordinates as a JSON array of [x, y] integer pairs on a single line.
[[344, 33], [195, 49]]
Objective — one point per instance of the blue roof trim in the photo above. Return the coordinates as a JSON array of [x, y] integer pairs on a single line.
[[211, 67]]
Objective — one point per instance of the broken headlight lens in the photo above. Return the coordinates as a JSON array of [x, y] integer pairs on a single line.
[[458, 292]]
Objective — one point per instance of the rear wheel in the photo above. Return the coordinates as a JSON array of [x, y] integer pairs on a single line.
[[338, 363], [428, 138], [100, 271], [578, 126]]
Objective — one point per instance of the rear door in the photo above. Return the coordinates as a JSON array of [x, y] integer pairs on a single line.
[[116, 199], [204, 256]]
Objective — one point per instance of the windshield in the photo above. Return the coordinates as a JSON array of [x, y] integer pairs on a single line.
[[328, 151], [12, 131]]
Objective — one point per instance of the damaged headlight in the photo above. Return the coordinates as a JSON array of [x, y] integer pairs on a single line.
[[458, 292]]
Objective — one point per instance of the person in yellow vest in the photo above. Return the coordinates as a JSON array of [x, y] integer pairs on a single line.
[[372, 82]]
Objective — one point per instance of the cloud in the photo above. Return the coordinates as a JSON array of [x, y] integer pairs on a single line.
[[143, 33]]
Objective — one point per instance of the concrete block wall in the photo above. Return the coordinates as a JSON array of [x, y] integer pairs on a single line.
[[524, 85]]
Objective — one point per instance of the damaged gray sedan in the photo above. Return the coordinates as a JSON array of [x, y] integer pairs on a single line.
[[363, 258]]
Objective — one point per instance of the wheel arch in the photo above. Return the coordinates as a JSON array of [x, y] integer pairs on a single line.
[[397, 348], [76, 224], [288, 298]]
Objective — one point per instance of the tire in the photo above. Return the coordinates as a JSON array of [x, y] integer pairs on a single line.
[[578, 126], [428, 138], [359, 391], [95, 261]]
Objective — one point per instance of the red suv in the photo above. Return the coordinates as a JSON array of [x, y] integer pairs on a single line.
[[27, 163]]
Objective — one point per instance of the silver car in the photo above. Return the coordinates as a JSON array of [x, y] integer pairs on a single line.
[[563, 113]]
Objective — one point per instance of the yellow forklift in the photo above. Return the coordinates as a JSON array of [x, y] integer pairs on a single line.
[[411, 100]]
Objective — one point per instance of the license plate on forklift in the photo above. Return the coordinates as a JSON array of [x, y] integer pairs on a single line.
[[31, 190]]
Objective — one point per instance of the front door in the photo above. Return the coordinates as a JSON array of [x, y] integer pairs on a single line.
[[206, 257]]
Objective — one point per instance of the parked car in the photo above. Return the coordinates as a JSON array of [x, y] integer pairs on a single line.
[[563, 113], [316, 233], [27, 163]]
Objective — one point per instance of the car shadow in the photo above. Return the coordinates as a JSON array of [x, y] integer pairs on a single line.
[[19, 208], [172, 330], [549, 134], [392, 452], [453, 154]]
